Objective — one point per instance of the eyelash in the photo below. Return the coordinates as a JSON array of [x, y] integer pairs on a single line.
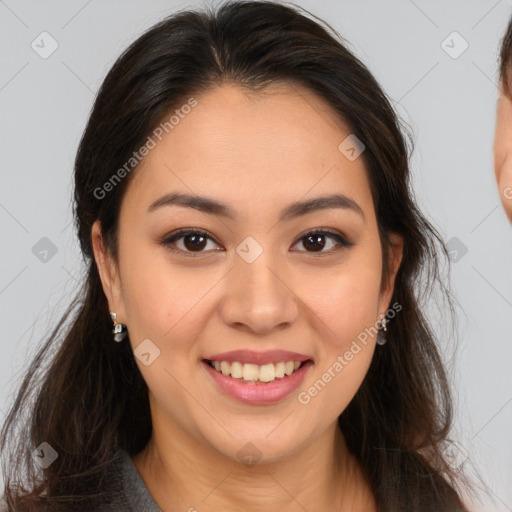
[[168, 240]]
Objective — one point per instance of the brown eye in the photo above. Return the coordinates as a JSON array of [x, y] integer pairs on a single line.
[[188, 241], [315, 241]]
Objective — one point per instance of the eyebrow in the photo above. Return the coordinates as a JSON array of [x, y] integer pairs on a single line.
[[294, 210]]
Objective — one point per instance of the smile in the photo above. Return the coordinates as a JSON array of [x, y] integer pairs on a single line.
[[257, 384]]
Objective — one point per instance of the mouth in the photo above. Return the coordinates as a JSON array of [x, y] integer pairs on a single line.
[[257, 384]]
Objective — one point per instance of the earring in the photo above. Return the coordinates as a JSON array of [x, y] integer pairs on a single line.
[[381, 338], [119, 330]]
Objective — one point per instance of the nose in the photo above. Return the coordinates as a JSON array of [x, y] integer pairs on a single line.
[[258, 298]]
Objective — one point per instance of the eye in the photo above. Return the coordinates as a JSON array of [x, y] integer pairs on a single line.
[[194, 241], [315, 240]]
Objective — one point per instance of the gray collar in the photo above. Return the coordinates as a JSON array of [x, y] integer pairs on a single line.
[[134, 487]]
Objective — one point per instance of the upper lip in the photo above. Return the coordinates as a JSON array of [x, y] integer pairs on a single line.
[[259, 358]]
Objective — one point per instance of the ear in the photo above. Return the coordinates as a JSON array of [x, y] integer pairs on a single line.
[[109, 273], [394, 260]]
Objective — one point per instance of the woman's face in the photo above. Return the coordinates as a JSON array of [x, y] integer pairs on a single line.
[[503, 152], [253, 281]]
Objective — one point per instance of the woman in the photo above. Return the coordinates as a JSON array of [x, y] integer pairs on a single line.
[[502, 144], [243, 206]]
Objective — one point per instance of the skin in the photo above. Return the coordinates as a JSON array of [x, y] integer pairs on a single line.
[[503, 152], [257, 153]]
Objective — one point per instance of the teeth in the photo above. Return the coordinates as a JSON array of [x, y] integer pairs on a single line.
[[280, 370], [267, 372], [236, 369], [224, 366], [254, 372]]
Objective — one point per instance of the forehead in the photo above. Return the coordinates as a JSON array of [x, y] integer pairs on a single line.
[[253, 150]]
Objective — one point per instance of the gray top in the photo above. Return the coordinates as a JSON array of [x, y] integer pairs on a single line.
[[131, 493], [134, 496]]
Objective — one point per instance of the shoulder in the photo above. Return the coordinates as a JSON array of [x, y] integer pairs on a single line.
[[124, 489]]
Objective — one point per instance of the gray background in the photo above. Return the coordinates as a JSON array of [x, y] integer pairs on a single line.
[[449, 102]]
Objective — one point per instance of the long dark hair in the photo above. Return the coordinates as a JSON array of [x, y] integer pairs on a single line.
[[398, 422]]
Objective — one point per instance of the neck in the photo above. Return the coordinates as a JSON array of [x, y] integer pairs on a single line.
[[182, 474]]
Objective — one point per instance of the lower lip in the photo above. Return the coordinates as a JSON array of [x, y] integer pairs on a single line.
[[259, 394]]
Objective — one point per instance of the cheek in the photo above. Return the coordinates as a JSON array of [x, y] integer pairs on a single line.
[[169, 306], [504, 178], [348, 333], [162, 300], [346, 298], [354, 302], [348, 306], [348, 349]]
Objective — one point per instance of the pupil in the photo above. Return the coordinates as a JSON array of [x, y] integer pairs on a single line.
[[194, 238], [318, 239]]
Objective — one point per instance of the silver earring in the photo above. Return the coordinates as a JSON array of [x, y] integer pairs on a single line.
[[119, 330], [381, 338]]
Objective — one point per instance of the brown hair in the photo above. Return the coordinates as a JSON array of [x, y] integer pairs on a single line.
[[401, 416]]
